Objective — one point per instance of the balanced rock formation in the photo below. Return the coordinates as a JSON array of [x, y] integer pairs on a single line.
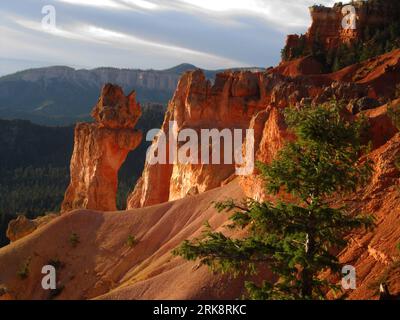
[[100, 149]]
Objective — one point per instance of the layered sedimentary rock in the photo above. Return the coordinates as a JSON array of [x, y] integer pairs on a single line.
[[100, 149], [271, 134], [246, 100], [374, 254], [229, 104], [327, 29]]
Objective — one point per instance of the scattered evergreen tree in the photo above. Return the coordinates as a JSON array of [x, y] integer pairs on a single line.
[[74, 240], [294, 239], [131, 241]]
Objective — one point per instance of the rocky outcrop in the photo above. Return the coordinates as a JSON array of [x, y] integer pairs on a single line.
[[240, 100], [327, 32], [326, 27], [271, 134], [229, 103], [22, 226], [374, 254], [302, 66], [100, 149], [381, 127]]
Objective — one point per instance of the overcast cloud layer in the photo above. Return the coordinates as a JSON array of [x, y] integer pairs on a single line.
[[145, 34]]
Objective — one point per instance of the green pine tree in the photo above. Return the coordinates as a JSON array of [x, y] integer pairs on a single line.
[[294, 239]]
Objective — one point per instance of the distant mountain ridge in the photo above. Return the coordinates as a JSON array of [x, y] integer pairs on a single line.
[[61, 95]]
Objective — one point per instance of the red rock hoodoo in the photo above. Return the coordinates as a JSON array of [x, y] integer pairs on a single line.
[[100, 149]]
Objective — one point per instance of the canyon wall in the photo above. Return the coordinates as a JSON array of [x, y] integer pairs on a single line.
[[229, 103], [246, 100], [100, 149]]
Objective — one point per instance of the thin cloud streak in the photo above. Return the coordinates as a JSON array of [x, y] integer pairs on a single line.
[[211, 34], [91, 33]]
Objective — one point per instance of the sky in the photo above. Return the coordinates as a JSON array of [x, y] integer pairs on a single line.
[[147, 34]]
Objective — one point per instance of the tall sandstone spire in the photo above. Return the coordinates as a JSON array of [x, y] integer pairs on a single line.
[[100, 149]]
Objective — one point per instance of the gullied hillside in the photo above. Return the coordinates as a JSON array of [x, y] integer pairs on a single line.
[[109, 267]]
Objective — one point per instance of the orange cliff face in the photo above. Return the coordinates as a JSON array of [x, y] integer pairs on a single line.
[[197, 104], [326, 30], [230, 103], [100, 149], [245, 100]]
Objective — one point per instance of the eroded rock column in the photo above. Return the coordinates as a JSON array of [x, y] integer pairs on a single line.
[[100, 150]]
